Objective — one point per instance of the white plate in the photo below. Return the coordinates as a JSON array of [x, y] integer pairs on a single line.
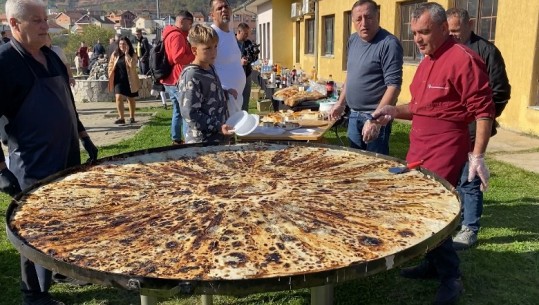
[[302, 131], [248, 126], [272, 131]]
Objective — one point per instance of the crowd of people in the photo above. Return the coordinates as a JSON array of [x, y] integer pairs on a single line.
[[458, 90]]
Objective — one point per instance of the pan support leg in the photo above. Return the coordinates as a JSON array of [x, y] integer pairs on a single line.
[[322, 295], [148, 300], [206, 299]]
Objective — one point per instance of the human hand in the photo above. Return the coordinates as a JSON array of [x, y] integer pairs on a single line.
[[9, 183], [244, 61], [385, 114], [227, 130], [371, 131], [478, 167], [336, 112], [233, 92], [90, 148], [72, 82]]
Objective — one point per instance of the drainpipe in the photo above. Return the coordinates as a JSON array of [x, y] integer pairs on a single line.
[[316, 13]]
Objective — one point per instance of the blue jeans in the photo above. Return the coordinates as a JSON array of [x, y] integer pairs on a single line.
[[471, 198], [176, 125], [355, 126]]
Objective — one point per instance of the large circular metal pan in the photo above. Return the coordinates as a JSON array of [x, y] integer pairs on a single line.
[[236, 286]]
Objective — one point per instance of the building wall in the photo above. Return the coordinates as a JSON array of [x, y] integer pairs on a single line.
[[264, 33], [64, 21], [282, 47], [518, 43]]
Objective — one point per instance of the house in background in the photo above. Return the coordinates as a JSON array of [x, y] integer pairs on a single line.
[[67, 19], [148, 25], [100, 21], [54, 28], [319, 32], [198, 18], [124, 19]]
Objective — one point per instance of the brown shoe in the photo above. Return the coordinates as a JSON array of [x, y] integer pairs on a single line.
[[174, 142], [132, 120], [119, 121]]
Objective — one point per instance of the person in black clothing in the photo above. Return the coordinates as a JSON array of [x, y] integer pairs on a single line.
[[5, 39], [43, 131], [460, 27], [246, 60], [98, 49], [123, 78], [142, 48]]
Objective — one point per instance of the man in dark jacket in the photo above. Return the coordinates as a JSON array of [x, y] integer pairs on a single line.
[[142, 47], [44, 130], [247, 58], [460, 27]]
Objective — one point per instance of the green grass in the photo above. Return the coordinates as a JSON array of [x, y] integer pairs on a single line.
[[502, 269]]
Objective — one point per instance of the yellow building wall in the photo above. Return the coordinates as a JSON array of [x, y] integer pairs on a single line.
[[518, 43], [282, 37]]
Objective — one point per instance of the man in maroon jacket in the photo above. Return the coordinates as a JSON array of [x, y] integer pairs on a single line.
[[178, 54]]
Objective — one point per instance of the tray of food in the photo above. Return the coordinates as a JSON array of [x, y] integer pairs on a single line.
[[292, 96]]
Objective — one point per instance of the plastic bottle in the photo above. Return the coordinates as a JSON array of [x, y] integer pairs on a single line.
[[314, 74], [330, 86]]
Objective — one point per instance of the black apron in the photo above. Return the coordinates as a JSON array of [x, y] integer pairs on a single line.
[[43, 136]]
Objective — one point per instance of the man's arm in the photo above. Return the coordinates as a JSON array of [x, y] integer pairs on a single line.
[[482, 136], [498, 80], [337, 110]]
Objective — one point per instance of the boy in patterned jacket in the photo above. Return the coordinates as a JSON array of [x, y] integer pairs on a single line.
[[203, 102]]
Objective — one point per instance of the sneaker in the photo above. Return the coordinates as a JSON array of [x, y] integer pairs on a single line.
[[174, 142], [423, 271], [132, 120], [449, 292], [119, 121], [464, 239], [165, 106]]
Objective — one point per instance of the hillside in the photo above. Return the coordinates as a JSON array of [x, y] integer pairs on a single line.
[[166, 6]]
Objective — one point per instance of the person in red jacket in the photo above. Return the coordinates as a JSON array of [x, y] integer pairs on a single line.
[[179, 54]]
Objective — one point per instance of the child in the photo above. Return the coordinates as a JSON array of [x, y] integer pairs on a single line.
[[203, 102], [78, 63]]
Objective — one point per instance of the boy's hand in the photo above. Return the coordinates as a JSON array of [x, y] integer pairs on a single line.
[[227, 130], [233, 92]]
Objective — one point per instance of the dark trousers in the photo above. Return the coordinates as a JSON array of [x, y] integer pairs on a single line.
[[144, 67], [445, 259], [246, 93], [35, 280]]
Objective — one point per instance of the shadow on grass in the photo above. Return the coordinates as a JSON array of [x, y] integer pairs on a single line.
[[10, 277], [515, 214]]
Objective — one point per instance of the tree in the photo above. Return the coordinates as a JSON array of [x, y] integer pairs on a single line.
[[89, 35]]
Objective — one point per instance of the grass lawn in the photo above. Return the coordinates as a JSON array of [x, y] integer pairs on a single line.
[[502, 269]]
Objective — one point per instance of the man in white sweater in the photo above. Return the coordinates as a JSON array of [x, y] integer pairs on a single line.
[[228, 62]]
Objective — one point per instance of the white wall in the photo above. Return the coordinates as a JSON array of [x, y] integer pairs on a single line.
[[264, 30]]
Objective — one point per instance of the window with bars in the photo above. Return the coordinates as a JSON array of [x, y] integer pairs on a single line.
[[328, 34], [483, 13], [309, 36], [411, 52]]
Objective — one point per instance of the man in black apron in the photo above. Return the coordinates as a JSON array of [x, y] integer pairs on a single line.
[[43, 128]]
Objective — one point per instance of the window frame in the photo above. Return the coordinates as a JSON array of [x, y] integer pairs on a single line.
[[405, 33], [309, 36], [478, 16], [347, 32], [328, 35]]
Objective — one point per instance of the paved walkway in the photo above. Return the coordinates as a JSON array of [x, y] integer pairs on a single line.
[[516, 149], [98, 118], [507, 146]]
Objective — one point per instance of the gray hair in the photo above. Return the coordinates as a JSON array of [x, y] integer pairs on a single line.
[[437, 12], [18, 9], [372, 3], [460, 13]]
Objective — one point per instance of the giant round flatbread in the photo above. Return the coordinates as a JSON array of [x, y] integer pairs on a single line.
[[246, 211]]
